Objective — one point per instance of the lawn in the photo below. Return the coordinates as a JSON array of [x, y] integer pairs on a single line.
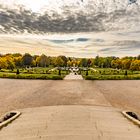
[[34, 73], [110, 74]]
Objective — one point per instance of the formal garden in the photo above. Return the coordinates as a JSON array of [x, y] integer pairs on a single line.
[[110, 74], [27, 66], [34, 73]]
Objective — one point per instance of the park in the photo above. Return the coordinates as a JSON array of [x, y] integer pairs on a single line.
[[18, 66], [69, 70]]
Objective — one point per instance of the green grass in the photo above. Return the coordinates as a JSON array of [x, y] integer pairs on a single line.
[[33, 73], [111, 74], [36, 70], [31, 76]]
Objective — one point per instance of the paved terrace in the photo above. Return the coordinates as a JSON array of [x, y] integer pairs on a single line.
[[15, 94], [99, 121], [71, 123]]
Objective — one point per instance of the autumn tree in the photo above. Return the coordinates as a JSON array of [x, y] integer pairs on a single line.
[[3, 63], [116, 63], [126, 64], [69, 63], [59, 62], [135, 65], [10, 62]]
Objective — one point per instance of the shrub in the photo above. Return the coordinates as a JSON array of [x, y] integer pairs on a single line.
[[17, 71], [57, 78], [113, 77]]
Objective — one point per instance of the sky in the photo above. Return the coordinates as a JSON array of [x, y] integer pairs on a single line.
[[86, 45], [35, 5], [122, 40]]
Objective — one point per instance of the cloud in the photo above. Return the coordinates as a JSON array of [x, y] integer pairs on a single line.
[[61, 41], [114, 29], [90, 48], [70, 19], [119, 48]]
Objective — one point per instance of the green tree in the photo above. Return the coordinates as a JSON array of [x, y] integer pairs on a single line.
[[59, 62], [64, 58], [84, 62], [96, 60], [27, 59], [18, 61], [138, 57], [43, 61]]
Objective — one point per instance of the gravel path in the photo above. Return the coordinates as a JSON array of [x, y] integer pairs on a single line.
[[18, 94]]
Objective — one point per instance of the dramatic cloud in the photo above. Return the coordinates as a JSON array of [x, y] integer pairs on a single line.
[[104, 27], [89, 17]]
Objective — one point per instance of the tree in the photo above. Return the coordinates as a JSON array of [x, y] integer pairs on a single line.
[[18, 61], [96, 60], [126, 64], [43, 61], [138, 57], [89, 62], [78, 63], [27, 59], [135, 65], [35, 57], [69, 63], [64, 58], [52, 61], [84, 62], [3, 63], [116, 63], [59, 62], [16, 55], [10, 62]]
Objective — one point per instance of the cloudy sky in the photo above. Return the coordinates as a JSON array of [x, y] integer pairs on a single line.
[[35, 5], [70, 27], [38, 5]]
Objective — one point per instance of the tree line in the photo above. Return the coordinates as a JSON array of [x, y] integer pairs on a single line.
[[11, 61], [126, 63]]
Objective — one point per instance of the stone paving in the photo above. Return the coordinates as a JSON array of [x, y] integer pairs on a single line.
[[71, 123], [73, 76], [67, 115]]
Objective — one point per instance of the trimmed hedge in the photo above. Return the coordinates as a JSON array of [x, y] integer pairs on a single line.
[[113, 77], [31, 76]]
